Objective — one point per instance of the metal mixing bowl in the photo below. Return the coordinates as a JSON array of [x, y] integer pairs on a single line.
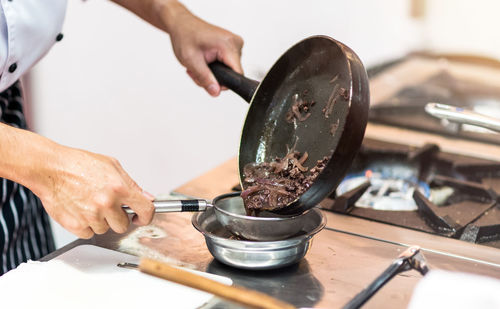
[[228, 249], [230, 212]]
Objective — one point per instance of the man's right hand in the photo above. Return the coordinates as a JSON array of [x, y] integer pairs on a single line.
[[87, 192], [82, 191]]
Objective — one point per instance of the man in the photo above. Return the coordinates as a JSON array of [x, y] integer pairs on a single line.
[[82, 191]]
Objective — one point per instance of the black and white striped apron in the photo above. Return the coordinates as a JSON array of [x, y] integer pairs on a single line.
[[25, 232]]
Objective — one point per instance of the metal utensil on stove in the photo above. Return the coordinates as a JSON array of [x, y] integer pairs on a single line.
[[411, 258], [230, 213], [318, 69], [462, 116]]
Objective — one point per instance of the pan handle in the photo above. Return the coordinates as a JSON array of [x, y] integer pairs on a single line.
[[238, 83], [462, 116], [175, 206]]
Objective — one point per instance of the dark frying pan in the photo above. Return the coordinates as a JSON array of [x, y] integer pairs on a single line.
[[318, 68]]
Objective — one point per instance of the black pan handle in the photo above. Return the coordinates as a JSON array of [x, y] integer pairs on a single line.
[[238, 83], [359, 300]]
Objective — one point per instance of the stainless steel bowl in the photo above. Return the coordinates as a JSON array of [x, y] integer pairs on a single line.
[[230, 212], [228, 249]]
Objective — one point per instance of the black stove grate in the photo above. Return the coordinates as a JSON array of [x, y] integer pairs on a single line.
[[470, 213]]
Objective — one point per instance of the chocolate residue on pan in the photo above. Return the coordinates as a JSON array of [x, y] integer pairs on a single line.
[[344, 93], [334, 79], [328, 109], [336, 93], [274, 185], [334, 127], [300, 109]]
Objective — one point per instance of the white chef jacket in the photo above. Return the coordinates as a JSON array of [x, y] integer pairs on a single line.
[[28, 29]]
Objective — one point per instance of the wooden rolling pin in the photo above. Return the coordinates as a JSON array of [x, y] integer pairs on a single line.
[[252, 299]]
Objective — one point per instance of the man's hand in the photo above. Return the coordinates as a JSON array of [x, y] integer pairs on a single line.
[[195, 42], [86, 193], [82, 191]]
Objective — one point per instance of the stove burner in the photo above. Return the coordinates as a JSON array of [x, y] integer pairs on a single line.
[[387, 191], [451, 195]]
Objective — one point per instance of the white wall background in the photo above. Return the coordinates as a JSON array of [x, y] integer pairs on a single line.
[[113, 85], [463, 26]]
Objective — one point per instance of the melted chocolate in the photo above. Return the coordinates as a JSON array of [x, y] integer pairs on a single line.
[[274, 185]]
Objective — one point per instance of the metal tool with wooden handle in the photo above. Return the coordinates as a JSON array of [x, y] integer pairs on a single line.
[[252, 299]]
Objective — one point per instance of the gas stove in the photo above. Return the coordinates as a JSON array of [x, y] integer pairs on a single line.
[[444, 182], [424, 189], [401, 89], [429, 177]]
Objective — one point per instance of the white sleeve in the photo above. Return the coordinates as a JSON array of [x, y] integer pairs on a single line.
[[3, 39], [28, 29]]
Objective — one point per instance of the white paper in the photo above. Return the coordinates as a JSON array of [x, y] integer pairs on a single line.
[[87, 277], [443, 289]]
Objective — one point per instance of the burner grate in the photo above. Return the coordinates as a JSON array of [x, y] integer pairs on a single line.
[[485, 229], [469, 212]]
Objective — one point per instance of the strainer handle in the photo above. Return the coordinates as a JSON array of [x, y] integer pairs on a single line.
[[162, 206]]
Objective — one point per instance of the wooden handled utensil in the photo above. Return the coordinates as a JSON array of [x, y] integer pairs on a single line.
[[240, 295]]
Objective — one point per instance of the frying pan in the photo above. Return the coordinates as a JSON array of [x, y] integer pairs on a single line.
[[318, 69]]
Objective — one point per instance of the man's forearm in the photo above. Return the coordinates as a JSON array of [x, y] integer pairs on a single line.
[[25, 157], [81, 190], [159, 13]]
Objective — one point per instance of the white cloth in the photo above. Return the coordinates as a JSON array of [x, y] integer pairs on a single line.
[[444, 289], [57, 284], [28, 29]]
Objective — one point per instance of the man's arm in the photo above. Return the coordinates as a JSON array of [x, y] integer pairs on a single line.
[[81, 190], [194, 41]]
